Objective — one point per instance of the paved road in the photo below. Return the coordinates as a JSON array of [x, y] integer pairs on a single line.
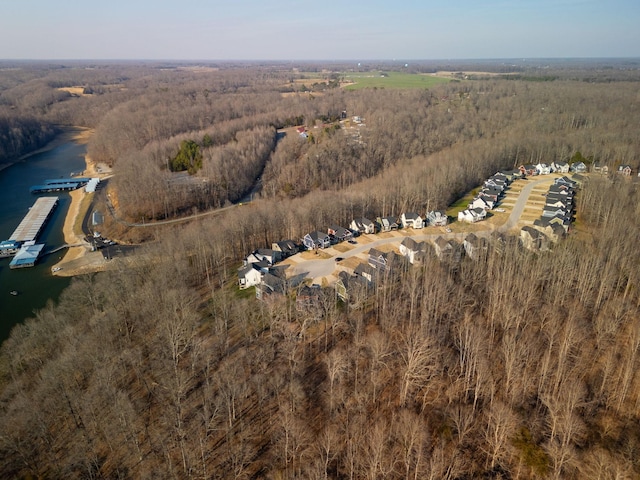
[[519, 206], [317, 269]]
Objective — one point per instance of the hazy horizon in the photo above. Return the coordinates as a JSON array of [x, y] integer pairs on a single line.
[[283, 30]]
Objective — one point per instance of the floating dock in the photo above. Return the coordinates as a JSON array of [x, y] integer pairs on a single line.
[[32, 224], [60, 184]]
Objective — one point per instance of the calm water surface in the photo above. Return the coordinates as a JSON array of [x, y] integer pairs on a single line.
[[36, 285]]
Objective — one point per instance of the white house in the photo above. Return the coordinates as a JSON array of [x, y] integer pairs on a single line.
[[411, 220], [472, 215], [249, 276], [560, 167], [482, 202], [543, 169], [412, 250]]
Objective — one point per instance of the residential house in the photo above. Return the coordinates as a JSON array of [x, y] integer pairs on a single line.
[[263, 254], [624, 170], [472, 215], [564, 180], [529, 170], [437, 218], [578, 167], [286, 248], [377, 259], [413, 251], [352, 288], [249, 276], [601, 168], [363, 225], [367, 272], [339, 233], [271, 285], [411, 220], [492, 193], [316, 239], [554, 231], [543, 169], [560, 167], [533, 239], [512, 175], [387, 224], [308, 297], [559, 202], [559, 189], [548, 211], [442, 247], [496, 184], [475, 247], [482, 202], [447, 249]]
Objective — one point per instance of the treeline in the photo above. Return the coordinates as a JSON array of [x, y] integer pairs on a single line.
[[20, 135], [520, 366]]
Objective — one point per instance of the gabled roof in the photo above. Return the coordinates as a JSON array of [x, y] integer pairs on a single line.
[[242, 273], [315, 236], [411, 215], [410, 243]]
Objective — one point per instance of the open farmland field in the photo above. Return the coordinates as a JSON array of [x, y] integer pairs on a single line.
[[398, 80]]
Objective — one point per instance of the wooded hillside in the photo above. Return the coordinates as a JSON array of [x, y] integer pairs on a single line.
[[520, 365]]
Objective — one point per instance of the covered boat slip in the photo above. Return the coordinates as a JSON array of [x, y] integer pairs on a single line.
[[32, 224], [27, 256]]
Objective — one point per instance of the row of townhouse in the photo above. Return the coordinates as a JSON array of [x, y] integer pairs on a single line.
[[489, 195], [541, 168], [556, 218], [336, 234]]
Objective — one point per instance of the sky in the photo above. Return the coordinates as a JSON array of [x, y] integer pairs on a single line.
[[318, 30]]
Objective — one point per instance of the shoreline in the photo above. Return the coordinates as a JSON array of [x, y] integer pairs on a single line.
[[73, 254], [76, 134]]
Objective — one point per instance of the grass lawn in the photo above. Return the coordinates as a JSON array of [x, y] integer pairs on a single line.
[[398, 80], [315, 255]]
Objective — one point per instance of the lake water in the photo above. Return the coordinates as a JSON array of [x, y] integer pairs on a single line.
[[35, 285]]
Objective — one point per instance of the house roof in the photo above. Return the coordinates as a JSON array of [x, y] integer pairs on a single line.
[[411, 215], [242, 273], [318, 235], [410, 243]]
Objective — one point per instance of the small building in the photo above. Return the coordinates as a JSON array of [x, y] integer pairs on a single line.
[[97, 218], [411, 220], [9, 248], [624, 170], [367, 272]]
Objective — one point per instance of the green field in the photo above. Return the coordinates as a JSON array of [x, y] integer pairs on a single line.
[[391, 80]]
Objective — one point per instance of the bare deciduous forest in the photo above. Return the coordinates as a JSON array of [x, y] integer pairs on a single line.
[[517, 366]]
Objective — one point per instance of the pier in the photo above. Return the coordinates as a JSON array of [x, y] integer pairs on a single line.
[[32, 224]]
